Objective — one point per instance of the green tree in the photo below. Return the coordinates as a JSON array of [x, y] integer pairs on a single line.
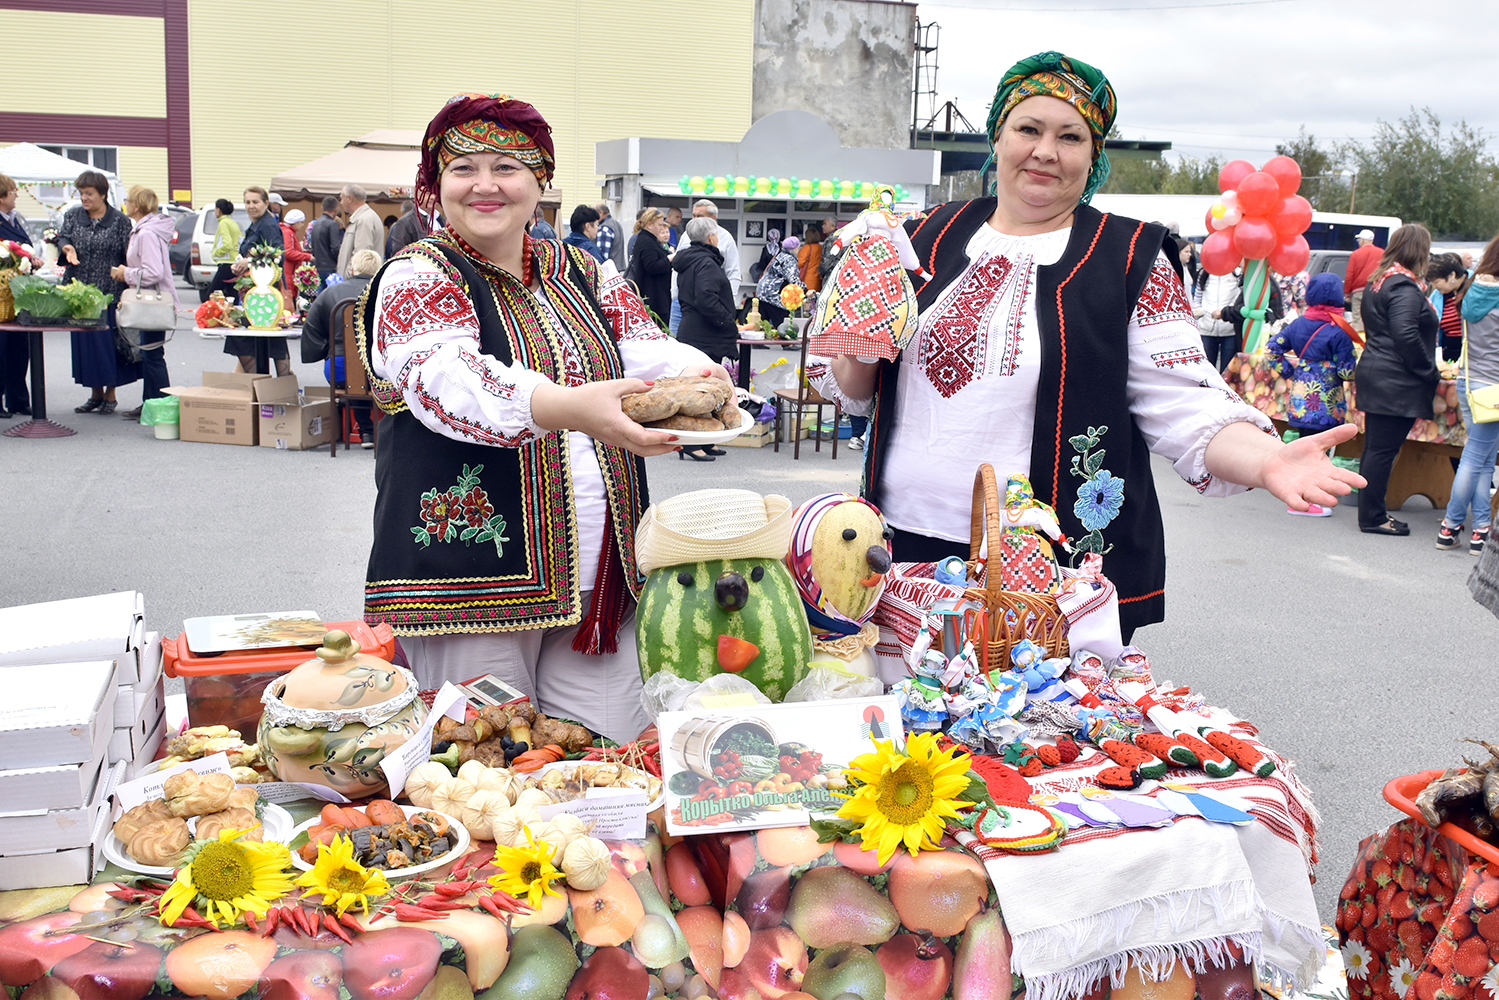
[[1188, 175], [1322, 181]]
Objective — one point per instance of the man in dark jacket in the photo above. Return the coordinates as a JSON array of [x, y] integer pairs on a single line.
[[15, 351], [318, 333], [584, 226], [327, 235], [406, 231]]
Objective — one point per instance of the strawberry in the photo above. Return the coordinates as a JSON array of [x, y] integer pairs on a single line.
[[1371, 914], [1405, 876], [1494, 952], [1409, 933], [1441, 955], [1472, 958], [1381, 937], [1492, 868], [1400, 906], [1486, 894], [1444, 875], [1428, 935], [1488, 927], [1459, 926], [1433, 913], [1032, 768], [1350, 889], [1440, 892], [1384, 896], [1453, 988], [1426, 986], [1382, 872], [1049, 755], [1069, 750]]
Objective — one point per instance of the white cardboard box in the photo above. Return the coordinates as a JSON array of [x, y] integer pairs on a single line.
[[41, 831], [129, 743], [51, 712], [64, 786], [65, 867], [147, 755], [107, 627], [130, 699]]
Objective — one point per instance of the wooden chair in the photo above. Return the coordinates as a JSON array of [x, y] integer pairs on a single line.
[[355, 382], [799, 400]]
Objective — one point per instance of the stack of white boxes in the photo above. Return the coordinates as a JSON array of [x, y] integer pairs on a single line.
[[84, 710]]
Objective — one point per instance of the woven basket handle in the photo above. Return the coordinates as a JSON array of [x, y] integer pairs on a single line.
[[986, 520]]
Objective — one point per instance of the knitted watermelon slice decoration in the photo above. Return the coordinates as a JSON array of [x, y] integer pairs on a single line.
[[1119, 777], [1128, 755], [1246, 755], [1164, 746], [1214, 762]]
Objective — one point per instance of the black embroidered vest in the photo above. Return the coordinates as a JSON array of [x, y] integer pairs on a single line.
[[474, 537], [1083, 306]]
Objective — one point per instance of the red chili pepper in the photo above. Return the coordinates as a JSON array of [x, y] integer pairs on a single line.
[[653, 766], [272, 920], [250, 922], [509, 902], [334, 927], [306, 921], [435, 902], [454, 889], [408, 912], [493, 907]]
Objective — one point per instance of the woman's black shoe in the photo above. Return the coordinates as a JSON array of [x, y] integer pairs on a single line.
[[714, 451], [1390, 527], [89, 407], [694, 455], [107, 407]]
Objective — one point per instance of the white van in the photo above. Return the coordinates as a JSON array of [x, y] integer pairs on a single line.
[[200, 265]]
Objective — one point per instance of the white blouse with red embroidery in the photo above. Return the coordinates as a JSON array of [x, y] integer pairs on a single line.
[[969, 380], [427, 344]]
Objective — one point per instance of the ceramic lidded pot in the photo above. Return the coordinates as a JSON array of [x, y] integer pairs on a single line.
[[332, 720]]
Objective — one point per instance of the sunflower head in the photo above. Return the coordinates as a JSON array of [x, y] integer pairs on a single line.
[[342, 881], [226, 877], [528, 871], [905, 798]]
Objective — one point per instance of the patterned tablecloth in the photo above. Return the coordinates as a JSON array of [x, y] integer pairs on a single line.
[[1263, 388]]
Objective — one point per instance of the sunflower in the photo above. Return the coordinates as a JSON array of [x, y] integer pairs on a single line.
[[528, 871], [904, 797], [343, 881], [226, 877]]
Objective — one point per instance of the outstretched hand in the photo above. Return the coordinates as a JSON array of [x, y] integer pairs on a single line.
[[1301, 474], [595, 409]]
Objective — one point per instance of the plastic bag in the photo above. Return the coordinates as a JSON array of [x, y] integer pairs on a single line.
[[666, 692], [779, 374], [825, 680], [163, 410]]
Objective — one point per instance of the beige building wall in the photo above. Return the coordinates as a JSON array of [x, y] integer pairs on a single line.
[[101, 64], [596, 69]]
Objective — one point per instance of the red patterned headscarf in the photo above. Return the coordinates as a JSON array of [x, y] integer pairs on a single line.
[[483, 123]]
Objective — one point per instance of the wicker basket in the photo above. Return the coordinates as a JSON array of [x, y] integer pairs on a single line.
[[7, 300], [1008, 615]]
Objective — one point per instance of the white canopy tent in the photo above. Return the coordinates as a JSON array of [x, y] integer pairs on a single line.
[[30, 166]]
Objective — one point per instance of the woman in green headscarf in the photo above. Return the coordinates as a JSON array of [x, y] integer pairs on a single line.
[[1056, 341]]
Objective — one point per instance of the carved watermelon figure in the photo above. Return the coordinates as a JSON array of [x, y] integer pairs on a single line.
[[717, 598], [716, 616]]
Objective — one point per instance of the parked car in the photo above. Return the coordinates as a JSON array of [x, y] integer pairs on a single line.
[[181, 250], [1323, 261], [201, 268]]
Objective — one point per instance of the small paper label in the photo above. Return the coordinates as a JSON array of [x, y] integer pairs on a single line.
[[133, 793], [450, 702], [616, 814], [316, 427], [736, 700], [290, 791]]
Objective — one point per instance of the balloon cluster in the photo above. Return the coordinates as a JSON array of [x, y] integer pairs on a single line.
[[782, 187], [1259, 217]]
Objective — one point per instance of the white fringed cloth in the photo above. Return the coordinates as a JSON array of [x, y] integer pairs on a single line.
[[1110, 898]]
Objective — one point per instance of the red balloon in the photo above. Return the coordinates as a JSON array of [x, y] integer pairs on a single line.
[[1290, 256], [1232, 173], [1218, 253], [1287, 174], [1292, 217], [1254, 237], [1258, 194], [1207, 221]]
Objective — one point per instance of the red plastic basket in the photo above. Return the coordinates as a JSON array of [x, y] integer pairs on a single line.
[[1401, 793]]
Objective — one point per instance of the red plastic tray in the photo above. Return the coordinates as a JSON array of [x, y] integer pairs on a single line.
[[1401, 793]]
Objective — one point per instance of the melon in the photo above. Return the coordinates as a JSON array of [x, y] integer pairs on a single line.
[[850, 576], [685, 609]]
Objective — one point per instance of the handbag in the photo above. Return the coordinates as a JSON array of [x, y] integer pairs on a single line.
[[146, 309], [1483, 403]]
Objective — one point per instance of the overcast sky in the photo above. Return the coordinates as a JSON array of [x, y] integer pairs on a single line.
[[1214, 76]]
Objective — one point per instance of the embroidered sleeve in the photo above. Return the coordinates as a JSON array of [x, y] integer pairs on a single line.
[[427, 344], [820, 377], [1178, 399]]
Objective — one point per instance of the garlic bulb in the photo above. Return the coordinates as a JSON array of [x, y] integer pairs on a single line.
[[586, 863], [549, 834], [450, 796], [472, 771], [423, 778], [509, 830], [494, 780], [533, 797], [481, 811]]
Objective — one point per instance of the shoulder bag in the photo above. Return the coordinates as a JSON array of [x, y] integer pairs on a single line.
[[1482, 403], [146, 309]]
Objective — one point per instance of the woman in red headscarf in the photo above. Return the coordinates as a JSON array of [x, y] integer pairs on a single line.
[[510, 481]]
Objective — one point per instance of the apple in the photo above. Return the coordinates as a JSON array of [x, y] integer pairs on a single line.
[[917, 967], [394, 963], [28, 949], [485, 941], [47, 988], [303, 975], [109, 971], [775, 962]]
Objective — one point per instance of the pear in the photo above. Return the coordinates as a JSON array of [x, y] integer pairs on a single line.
[[845, 968], [542, 963], [832, 905], [650, 898], [981, 970]]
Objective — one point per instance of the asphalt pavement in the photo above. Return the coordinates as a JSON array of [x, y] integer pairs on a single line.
[[1362, 657]]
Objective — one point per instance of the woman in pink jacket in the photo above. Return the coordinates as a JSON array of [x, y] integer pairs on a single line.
[[148, 265]]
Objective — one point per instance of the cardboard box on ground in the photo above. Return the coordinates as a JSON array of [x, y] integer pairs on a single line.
[[251, 409]]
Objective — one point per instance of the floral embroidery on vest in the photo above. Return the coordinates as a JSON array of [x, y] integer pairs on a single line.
[[460, 513], [1100, 496]]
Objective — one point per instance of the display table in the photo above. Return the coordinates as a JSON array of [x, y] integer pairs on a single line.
[[1424, 464], [262, 341], [746, 346], [39, 426]]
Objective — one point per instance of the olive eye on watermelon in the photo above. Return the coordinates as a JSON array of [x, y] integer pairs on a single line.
[[849, 534], [757, 574], [684, 578], [731, 591], [888, 533]]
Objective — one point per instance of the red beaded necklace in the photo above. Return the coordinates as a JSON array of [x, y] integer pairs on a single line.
[[526, 251]]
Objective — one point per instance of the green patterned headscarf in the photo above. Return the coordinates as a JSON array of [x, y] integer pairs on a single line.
[[1051, 74]]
